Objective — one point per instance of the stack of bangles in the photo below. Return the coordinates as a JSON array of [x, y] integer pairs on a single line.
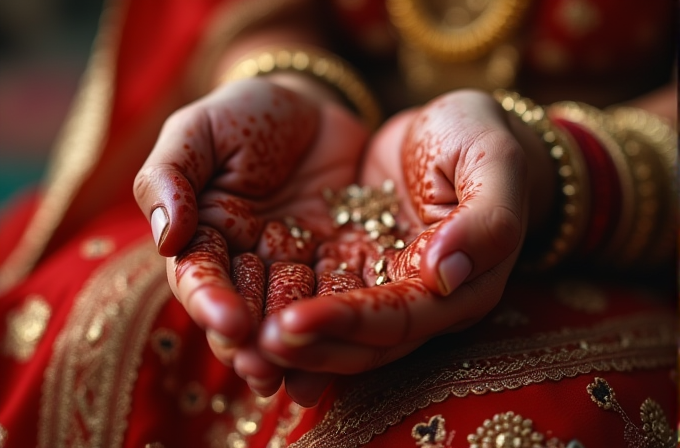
[[616, 200]]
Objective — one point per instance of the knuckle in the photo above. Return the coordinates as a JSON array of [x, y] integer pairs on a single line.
[[503, 228]]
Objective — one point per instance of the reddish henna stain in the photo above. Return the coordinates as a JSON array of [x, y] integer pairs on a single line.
[[479, 157], [248, 275], [176, 196], [206, 257], [287, 282], [246, 132], [335, 282], [406, 263], [277, 244]]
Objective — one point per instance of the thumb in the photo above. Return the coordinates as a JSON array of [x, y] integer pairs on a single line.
[[470, 174]]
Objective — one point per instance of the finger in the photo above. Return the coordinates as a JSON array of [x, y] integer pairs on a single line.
[[288, 282], [233, 217], [263, 377], [306, 388], [174, 173], [336, 356], [199, 278], [466, 169], [382, 316]]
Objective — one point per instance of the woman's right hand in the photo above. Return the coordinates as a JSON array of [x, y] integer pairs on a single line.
[[226, 175]]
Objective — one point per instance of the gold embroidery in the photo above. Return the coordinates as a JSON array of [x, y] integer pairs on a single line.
[[4, 434], [581, 296], [285, 426], [655, 431], [166, 344], [95, 248], [384, 397], [25, 327], [193, 398], [510, 430], [89, 380], [430, 434]]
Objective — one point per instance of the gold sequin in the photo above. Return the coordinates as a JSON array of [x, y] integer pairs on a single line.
[[193, 398], [25, 327], [166, 344], [430, 434], [250, 425], [218, 403], [95, 248], [4, 434]]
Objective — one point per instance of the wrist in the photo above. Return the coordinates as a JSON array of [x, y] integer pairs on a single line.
[[333, 73]]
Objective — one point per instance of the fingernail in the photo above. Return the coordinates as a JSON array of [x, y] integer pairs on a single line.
[[453, 270], [297, 339], [220, 339], [159, 224]]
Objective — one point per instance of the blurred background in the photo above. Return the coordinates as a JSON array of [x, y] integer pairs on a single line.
[[44, 45]]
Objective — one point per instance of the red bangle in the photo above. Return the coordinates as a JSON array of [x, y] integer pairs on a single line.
[[605, 194]]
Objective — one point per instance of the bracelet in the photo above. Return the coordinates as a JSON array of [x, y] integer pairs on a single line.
[[594, 121], [320, 64], [574, 182], [652, 144]]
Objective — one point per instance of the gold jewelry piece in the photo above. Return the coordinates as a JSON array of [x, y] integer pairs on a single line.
[[319, 64], [594, 121], [473, 39], [571, 169], [651, 145]]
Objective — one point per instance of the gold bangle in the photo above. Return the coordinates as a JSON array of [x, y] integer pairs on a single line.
[[594, 121], [572, 172], [651, 144], [322, 65]]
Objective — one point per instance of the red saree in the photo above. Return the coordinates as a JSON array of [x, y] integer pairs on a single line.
[[97, 353]]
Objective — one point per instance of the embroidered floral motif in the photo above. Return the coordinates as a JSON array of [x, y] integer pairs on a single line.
[[510, 430], [193, 398], [433, 374], [166, 344], [25, 327], [430, 434], [4, 434], [655, 431], [95, 248], [219, 404]]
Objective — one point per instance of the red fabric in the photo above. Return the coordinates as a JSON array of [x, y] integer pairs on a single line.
[[156, 43]]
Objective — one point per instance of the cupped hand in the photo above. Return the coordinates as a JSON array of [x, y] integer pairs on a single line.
[[241, 171], [465, 178]]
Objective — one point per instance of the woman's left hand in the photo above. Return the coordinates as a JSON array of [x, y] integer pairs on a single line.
[[467, 178]]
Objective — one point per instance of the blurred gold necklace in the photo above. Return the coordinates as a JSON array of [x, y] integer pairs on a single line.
[[479, 26]]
